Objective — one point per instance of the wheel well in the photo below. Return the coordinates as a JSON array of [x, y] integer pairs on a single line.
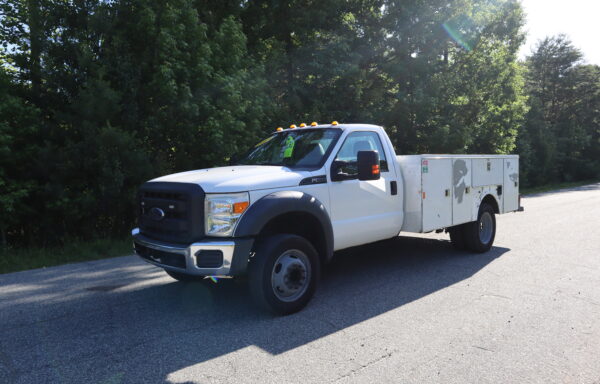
[[301, 224], [491, 200]]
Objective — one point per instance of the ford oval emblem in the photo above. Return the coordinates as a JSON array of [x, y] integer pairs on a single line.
[[156, 214]]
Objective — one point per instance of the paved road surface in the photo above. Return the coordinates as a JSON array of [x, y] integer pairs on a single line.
[[409, 310]]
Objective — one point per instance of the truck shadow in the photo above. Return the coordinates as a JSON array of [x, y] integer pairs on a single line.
[[181, 325]]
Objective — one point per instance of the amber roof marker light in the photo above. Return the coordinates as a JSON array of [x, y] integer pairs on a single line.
[[292, 126], [302, 125], [279, 129], [313, 124], [334, 122]]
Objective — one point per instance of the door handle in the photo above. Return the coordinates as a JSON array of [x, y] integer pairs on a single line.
[[394, 187], [447, 192]]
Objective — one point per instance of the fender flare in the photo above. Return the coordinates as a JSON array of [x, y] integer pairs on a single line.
[[279, 203], [495, 200]]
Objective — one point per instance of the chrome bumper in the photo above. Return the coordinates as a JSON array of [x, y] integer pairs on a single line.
[[227, 247]]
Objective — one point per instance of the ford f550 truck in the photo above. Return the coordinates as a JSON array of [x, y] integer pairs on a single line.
[[278, 214]]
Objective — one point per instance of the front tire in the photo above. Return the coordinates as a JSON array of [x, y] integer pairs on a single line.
[[480, 234], [283, 274]]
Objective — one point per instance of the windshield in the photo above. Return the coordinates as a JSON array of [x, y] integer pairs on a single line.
[[301, 148]]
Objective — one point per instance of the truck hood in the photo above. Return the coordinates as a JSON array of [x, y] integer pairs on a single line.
[[238, 178]]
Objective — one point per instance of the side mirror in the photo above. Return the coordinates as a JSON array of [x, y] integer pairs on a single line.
[[368, 165], [336, 171]]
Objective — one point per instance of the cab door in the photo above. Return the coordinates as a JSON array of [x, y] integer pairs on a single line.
[[364, 211]]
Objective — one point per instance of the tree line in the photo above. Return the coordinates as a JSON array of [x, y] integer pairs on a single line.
[[98, 96]]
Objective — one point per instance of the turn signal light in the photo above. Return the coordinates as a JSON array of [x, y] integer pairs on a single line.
[[240, 207], [375, 169], [313, 124]]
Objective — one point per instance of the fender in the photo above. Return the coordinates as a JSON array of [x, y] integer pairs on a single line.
[[494, 200], [280, 203]]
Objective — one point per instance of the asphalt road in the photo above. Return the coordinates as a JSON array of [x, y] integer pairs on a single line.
[[408, 310]]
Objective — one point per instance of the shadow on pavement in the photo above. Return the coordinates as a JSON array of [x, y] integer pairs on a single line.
[[117, 329]]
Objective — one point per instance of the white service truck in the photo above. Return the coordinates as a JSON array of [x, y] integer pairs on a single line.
[[279, 213]]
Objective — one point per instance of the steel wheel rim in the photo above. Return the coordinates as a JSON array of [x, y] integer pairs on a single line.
[[290, 275], [486, 226]]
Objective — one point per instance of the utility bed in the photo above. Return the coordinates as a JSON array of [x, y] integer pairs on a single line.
[[441, 191]]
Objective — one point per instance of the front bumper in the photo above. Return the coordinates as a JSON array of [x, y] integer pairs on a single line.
[[229, 257]]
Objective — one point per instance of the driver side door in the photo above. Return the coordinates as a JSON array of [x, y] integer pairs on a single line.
[[363, 211]]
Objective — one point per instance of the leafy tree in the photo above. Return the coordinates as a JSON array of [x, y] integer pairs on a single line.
[[98, 96], [18, 129], [456, 85], [560, 138]]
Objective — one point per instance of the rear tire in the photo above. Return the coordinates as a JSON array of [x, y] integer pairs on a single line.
[[480, 234], [283, 274], [457, 237], [183, 277]]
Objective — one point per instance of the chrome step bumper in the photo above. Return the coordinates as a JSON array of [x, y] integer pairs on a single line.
[[185, 259]]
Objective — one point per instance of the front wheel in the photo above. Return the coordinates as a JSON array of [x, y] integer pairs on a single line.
[[283, 274], [480, 234]]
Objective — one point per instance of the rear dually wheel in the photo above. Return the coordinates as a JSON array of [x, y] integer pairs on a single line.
[[480, 234]]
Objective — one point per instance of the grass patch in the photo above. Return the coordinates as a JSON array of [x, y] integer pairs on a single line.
[[553, 187], [19, 259]]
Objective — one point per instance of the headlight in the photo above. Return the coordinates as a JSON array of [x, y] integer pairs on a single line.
[[223, 211]]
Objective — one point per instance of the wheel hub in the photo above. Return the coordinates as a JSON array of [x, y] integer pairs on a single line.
[[290, 275], [486, 227]]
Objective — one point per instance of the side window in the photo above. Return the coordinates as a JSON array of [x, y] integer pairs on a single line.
[[360, 141]]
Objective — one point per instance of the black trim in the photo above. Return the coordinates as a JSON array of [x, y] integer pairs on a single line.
[[209, 258], [280, 203], [321, 179], [165, 258], [182, 205], [241, 254], [394, 187]]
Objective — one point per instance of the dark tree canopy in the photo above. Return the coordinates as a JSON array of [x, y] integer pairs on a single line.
[[98, 96]]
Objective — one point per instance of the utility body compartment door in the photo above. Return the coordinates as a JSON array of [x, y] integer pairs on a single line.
[[462, 192], [487, 172], [436, 189], [511, 184]]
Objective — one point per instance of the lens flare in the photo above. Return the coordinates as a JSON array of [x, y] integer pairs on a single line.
[[456, 36]]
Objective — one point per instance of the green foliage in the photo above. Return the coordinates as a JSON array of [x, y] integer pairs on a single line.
[[560, 139], [120, 92], [98, 96], [18, 128]]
